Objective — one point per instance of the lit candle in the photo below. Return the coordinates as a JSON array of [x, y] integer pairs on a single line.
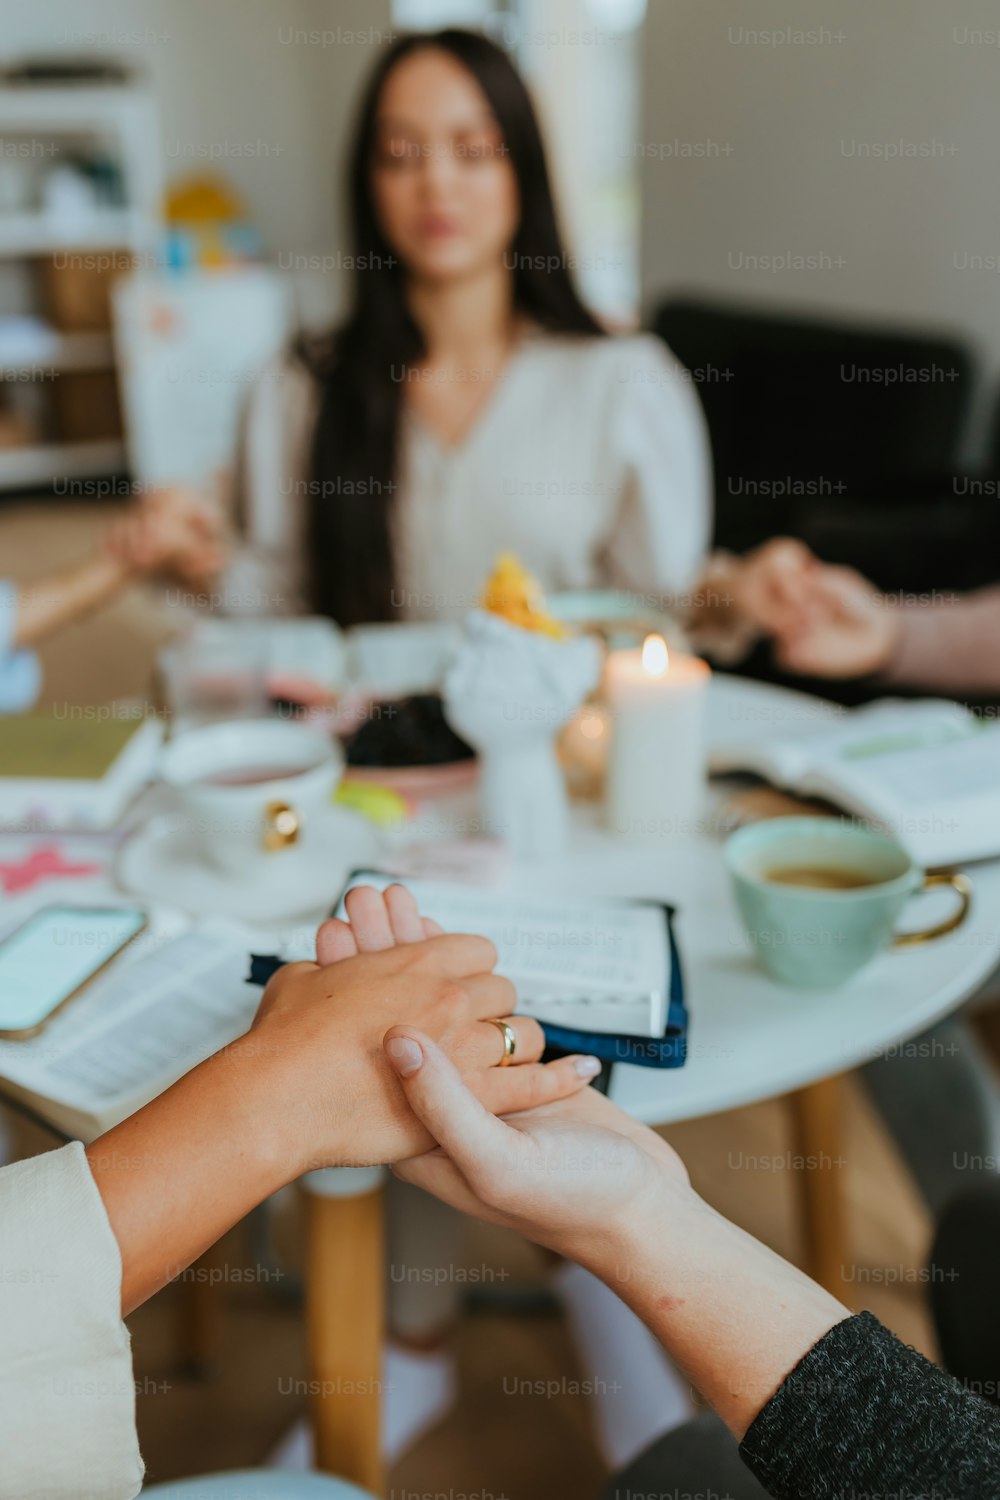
[[656, 774]]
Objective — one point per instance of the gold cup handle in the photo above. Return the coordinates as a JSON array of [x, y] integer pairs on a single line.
[[959, 883], [282, 826]]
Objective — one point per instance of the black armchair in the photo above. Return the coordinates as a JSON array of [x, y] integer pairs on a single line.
[[846, 436]]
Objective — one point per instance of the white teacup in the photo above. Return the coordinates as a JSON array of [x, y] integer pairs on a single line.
[[252, 791]]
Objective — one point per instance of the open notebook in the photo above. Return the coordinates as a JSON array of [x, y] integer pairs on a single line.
[[927, 772], [589, 965], [602, 976]]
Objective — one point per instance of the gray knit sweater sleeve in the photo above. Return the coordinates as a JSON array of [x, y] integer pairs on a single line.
[[863, 1415]]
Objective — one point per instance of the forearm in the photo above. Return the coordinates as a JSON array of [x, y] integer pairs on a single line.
[[951, 647], [182, 1171], [732, 1314], [47, 606]]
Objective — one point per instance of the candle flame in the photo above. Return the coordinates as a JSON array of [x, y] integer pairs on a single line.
[[655, 657]]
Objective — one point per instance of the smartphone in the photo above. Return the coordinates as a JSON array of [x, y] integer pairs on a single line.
[[49, 959]]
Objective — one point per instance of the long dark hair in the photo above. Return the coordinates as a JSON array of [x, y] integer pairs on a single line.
[[356, 442]]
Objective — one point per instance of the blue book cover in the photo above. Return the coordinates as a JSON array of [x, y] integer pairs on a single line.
[[666, 1051]]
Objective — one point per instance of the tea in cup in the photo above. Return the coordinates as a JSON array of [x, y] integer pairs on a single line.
[[254, 791], [820, 897]]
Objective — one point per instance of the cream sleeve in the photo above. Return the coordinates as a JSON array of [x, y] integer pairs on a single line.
[[266, 573], [67, 1394], [664, 522]]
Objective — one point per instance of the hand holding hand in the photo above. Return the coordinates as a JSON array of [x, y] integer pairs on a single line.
[[583, 1179], [310, 1086], [773, 585], [578, 1175], [173, 531], [318, 1033], [825, 621], [849, 631]]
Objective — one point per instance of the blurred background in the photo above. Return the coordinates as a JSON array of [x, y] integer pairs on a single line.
[[798, 197], [795, 195]]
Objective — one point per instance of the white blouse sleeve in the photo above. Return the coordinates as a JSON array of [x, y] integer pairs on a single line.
[[20, 675], [664, 521], [67, 1394], [266, 570]]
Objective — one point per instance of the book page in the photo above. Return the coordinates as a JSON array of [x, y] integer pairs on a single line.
[[786, 742], [931, 773], [142, 1025], [597, 965]]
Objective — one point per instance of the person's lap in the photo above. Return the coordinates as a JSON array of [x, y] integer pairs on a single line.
[[700, 1458]]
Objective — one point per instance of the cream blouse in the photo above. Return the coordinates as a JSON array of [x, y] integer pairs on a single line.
[[67, 1394], [589, 461]]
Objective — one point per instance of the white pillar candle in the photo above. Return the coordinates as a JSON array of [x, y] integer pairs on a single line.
[[656, 774]]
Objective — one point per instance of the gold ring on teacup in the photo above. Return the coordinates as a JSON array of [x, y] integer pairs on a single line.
[[282, 826]]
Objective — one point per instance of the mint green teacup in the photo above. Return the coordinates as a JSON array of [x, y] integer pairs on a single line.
[[820, 898]]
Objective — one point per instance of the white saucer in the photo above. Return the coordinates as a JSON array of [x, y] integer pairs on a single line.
[[161, 862]]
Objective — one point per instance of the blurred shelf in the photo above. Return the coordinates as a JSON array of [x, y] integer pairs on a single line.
[[73, 242], [44, 463], [66, 351], [66, 107], [45, 234]]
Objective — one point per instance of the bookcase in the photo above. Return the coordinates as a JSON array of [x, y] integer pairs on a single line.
[[81, 194]]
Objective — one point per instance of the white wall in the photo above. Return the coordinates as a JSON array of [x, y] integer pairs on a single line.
[[781, 176], [278, 75], [781, 119]]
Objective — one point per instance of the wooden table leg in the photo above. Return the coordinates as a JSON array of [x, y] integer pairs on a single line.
[[345, 1317], [198, 1329], [816, 1123]]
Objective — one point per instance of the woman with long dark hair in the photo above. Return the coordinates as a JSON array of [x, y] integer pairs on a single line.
[[469, 403]]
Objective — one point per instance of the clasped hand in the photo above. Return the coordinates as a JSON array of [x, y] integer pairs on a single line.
[[391, 1017], [319, 1031]]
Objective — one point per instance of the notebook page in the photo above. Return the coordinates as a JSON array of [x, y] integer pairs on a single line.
[[141, 1026], [576, 962]]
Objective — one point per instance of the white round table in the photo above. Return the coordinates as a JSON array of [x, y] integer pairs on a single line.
[[749, 1039]]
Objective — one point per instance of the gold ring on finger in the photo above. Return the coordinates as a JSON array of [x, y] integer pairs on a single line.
[[509, 1040]]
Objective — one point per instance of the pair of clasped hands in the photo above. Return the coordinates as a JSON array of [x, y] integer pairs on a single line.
[[383, 1051], [420, 1081]]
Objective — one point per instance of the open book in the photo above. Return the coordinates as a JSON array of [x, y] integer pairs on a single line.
[[180, 992], [578, 963], [170, 1000], [926, 773]]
